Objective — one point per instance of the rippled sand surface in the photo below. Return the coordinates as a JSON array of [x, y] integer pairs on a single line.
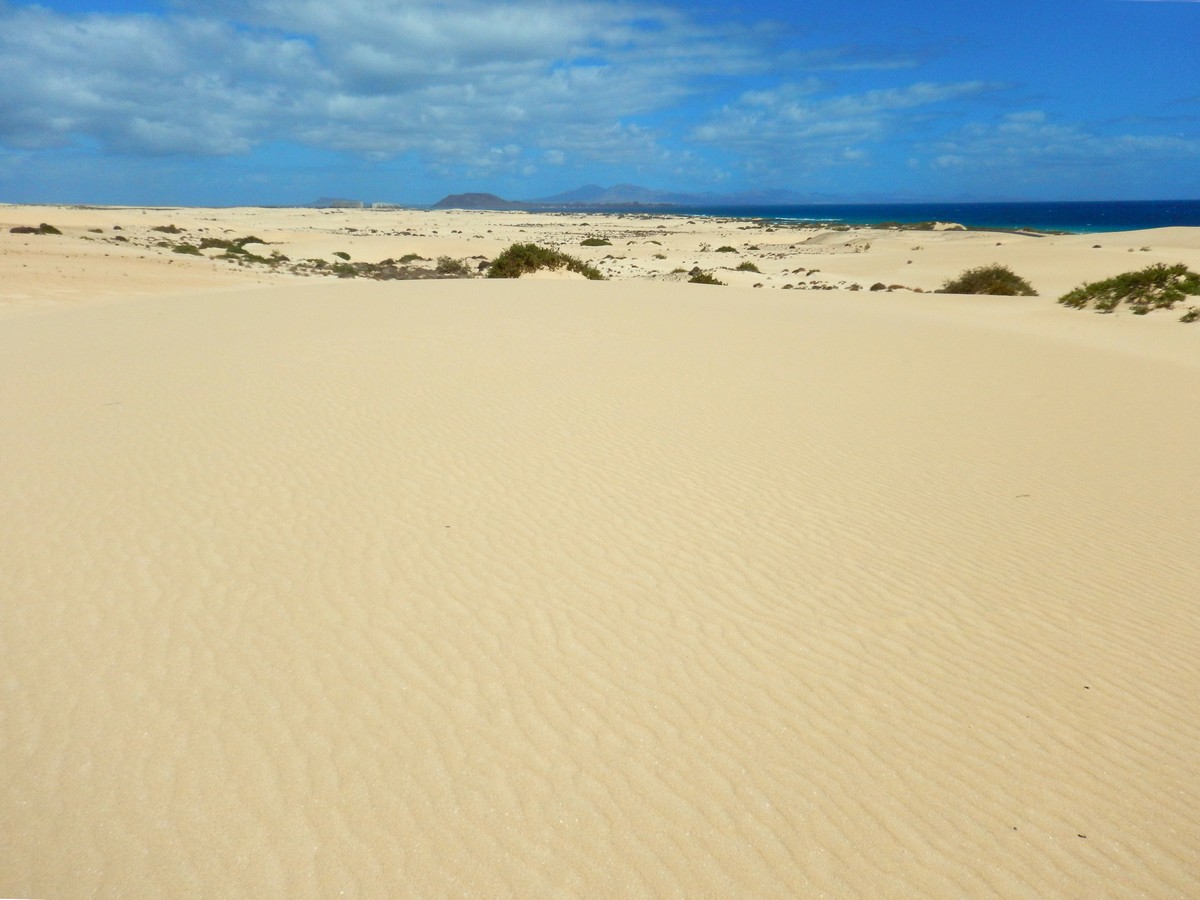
[[559, 589]]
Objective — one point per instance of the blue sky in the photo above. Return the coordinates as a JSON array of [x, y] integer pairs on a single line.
[[283, 101]]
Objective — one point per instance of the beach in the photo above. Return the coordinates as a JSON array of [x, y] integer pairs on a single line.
[[818, 583]]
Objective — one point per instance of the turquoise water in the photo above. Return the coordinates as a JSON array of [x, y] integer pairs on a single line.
[[1079, 217]]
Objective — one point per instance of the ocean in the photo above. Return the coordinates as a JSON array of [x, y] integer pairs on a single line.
[[1076, 217]]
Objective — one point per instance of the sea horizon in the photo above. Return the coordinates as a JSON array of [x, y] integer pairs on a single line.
[[1068, 216], [1078, 217]]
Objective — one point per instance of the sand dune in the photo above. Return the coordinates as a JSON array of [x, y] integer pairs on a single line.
[[116, 253], [480, 588]]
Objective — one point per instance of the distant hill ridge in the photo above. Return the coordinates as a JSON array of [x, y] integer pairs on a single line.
[[592, 195], [478, 201]]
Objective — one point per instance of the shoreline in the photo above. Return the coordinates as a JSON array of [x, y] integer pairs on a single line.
[[972, 216]]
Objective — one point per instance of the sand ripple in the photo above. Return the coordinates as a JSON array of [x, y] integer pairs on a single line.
[[516, 589]]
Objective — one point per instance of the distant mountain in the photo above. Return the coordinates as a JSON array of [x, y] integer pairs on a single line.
[[633, 194], [617, 195], [478, 201], [591, 196], [585, 194]]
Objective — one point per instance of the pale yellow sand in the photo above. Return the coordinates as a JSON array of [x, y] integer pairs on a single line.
[[87, 263], [477, 588]]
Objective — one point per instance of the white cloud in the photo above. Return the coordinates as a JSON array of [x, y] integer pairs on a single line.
[[378, 77], [499, 88], [798, 127], [138, 83], [1025, 139]]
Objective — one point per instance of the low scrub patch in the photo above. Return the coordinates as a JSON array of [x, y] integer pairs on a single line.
[[245, 257], [748, 266], [595, 242], [703, 278], [44, 228], [999, 281], [1156, 287], [448, 265], [727, 249], [237, 245], [521, 259]]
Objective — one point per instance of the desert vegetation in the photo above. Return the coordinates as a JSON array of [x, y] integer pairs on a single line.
[[237, 245], [995, 280], [521, 259], [448, 265], [44, 228], [1155, 287]]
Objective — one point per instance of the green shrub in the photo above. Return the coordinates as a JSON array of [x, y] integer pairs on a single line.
[[1156, 287], [187, 248], [447, 265], [748, 266], [235, 246], [727, 249], [595, 242], [273, 260], [342, 254], [995, 280], [703, 278], [29, 229], [411, 257], [520, 259]]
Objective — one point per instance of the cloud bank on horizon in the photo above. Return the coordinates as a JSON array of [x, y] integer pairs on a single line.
[[279, 101]]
